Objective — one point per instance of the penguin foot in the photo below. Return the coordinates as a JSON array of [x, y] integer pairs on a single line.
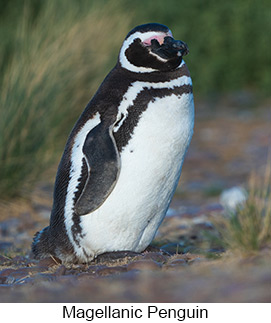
[[115, 255], [151, 248]]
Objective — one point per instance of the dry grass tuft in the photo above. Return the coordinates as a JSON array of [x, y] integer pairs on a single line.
[[248, 229]]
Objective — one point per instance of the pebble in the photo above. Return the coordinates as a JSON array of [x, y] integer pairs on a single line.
[[6, 272], [143, 265], [61, 270], [10, 275], [178, 262], [3, 280], [111, 270], [175, 264], [156, 256], [233, 198]]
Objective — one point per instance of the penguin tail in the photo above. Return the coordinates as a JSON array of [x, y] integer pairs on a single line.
[[41, 245]]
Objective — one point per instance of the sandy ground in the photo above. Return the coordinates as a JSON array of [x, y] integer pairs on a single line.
[[228, 144]]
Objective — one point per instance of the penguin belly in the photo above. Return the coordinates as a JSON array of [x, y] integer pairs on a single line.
[[151, 165]]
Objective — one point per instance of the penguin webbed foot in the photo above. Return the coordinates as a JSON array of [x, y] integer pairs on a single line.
[[151, 248], [115, 255]]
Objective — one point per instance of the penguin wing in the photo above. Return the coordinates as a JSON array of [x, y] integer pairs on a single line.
[[103, 163]]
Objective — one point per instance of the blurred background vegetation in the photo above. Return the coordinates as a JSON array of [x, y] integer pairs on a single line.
[[55, 53]]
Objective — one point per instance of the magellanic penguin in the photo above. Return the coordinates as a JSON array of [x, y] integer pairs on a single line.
[[123, 158]]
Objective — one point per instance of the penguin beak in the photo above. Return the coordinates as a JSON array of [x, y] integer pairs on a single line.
[[170, 48], [176, 46]]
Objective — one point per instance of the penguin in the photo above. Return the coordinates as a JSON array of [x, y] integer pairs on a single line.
[[123, 159]]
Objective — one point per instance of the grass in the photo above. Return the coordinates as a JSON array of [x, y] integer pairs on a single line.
[[228, 40], [54, 69], [248, 229], [54, 54]]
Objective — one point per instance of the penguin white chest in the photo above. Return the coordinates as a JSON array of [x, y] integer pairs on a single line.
[[151, 164]]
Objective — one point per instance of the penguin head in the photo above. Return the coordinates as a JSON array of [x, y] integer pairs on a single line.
[[151, 47]]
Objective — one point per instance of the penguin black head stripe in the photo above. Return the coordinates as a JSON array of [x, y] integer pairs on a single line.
[[123, 158], [151, 47]]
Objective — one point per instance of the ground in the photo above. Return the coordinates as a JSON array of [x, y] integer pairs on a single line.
[[184, 264]]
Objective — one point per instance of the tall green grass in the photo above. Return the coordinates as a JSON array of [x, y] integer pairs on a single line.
[[54, 54], [229, 41], [58, 60]]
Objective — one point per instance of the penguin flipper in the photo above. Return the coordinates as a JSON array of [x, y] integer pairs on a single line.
[[102, 158]]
